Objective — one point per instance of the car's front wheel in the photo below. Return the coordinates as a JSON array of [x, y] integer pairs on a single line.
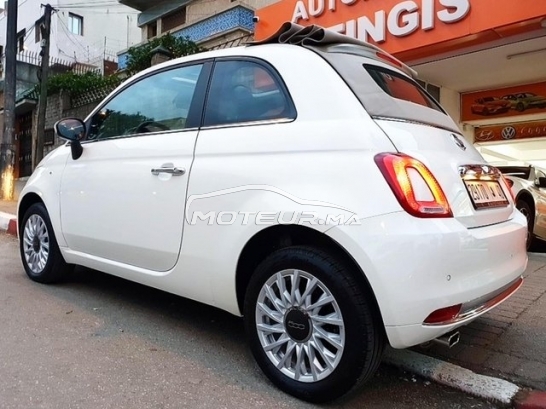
[[40, 254], [312, 326]]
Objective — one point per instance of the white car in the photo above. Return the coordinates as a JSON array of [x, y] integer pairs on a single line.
[[528, 185], [308, 184]]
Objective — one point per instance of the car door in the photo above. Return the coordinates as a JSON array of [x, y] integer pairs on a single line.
[[123, 200]]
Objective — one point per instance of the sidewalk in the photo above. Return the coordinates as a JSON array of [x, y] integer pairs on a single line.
[[8, 210], [510, 341]]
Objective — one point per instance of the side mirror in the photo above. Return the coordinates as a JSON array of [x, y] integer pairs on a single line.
[[72, 130], [540, 182]]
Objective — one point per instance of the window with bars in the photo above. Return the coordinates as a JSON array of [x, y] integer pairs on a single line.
[[173, 20]]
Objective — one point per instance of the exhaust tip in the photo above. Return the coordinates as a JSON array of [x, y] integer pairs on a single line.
[[448, 340]]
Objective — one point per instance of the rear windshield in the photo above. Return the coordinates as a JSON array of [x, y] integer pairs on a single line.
[[385, 93], [400, 87]]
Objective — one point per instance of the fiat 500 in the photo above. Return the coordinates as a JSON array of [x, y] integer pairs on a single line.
[[306, 183]]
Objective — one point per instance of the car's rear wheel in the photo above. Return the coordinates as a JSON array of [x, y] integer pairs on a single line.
[[312, 327], [525, 209], [40, 253], [520, 107]]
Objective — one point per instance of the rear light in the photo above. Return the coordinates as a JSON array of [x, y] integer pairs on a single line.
[[417, 190], [444, 315], [389, 59], [509, 183]]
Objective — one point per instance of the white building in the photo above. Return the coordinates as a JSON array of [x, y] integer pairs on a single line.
[[82, 31]]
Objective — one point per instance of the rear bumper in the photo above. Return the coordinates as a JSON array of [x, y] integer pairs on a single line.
[[417, 266]]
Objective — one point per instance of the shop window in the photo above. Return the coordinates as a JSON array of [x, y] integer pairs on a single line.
[[152, 30], [173, 20], [75, 24]]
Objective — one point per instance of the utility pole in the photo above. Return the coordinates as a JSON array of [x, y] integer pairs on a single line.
[[7, 149], [38, 142]]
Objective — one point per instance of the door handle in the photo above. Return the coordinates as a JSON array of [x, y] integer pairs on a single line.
[[170, 169]]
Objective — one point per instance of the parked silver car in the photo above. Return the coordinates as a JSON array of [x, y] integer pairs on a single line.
[[528, 185]]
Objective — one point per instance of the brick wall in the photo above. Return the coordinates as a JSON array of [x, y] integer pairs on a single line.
[[58, 107]]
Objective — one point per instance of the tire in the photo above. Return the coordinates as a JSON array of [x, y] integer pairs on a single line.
[[361, 333], [524, 208], [40, 254], [520, 107]]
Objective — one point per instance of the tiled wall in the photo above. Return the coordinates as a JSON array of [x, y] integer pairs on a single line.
[[237, 17]]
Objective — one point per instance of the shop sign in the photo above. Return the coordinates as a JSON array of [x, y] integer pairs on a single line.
[[505, 102], [509, 132], [403, 19], [409, 29]]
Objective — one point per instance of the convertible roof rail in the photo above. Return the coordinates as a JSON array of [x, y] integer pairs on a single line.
[[314, 36]]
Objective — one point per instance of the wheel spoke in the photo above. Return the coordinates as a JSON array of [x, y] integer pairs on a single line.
[[295, 281], [287, 355], [280, 342], [271, 329], [309, 288], [322, 301], [332, 339], [275, 316], [317, 345], [277, 303], [285, 297], [332, 319], [309, 350], [299, 361]]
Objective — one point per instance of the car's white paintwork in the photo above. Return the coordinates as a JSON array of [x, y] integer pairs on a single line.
[[538, 194], [111, 214]]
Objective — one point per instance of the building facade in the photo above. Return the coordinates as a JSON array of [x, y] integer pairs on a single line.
[[205, 22], [80, 31]]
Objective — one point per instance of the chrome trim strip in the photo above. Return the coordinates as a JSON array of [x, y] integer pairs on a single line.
[[250, 123], [477, 172], [482, 304], [139, 135]]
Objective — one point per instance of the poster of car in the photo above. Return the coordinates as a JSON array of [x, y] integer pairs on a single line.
[[505, 102]]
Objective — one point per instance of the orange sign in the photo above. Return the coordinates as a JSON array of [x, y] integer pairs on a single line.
[[511, 101], [409, 29], [508, 132]]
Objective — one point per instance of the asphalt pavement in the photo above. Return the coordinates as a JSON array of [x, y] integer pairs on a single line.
[[97, 341]]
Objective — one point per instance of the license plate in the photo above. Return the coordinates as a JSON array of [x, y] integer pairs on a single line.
[[486, 194]]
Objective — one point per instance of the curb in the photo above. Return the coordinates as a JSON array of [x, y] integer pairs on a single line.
[[530, 400], [485, 387], [8, 223]]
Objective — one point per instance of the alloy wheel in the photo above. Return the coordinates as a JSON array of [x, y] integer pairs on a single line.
[[300, 325], [36, 243]]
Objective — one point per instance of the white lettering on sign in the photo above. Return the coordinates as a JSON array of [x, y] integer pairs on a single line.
[[403, 19]]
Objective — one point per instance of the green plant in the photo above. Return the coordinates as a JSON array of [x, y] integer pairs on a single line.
[[140, 57], [76, 84]]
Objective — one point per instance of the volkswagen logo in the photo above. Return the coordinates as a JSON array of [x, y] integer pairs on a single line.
[[458, 142], [485, 135], [508, 133]]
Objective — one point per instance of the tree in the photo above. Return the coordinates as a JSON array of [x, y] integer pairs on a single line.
[[140, 56]]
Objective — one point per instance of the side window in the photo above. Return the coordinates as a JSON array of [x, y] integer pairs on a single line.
[[157, 103], [245, 91]]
